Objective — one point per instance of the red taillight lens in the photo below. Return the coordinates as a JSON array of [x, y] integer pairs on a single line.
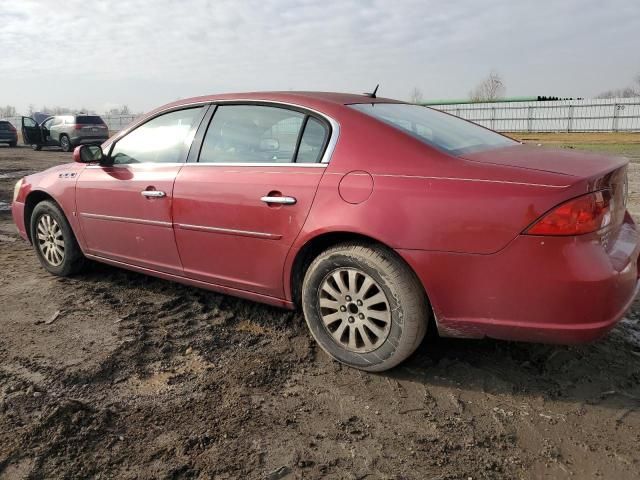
[[78, 126], [585, 214], [12, 128]]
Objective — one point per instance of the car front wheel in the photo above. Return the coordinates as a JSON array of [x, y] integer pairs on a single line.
[[364, 306], [54, 241], [36, 147]]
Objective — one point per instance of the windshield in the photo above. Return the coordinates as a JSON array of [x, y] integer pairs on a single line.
[[445, 132]]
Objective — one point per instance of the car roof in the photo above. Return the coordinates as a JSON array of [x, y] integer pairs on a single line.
[[310, 99]]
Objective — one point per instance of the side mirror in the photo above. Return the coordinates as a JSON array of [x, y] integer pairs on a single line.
[[88, 154]]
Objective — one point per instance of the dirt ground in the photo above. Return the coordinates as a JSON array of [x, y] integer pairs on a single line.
[[142, 378]]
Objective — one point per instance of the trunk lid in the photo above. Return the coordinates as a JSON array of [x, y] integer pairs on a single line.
[[563, 161]]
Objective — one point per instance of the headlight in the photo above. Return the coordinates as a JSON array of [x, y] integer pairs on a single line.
[[16, 189]]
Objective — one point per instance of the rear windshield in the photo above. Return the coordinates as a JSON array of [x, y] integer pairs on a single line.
[[89, 120], [445, 132], [4, 125]]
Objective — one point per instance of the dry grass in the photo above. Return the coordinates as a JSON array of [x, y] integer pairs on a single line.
[[626, 144], [578, 138]]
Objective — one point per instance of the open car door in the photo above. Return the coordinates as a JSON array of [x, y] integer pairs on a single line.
[[31, 132]]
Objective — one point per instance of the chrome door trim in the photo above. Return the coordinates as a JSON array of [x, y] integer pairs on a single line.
[[229, 231], [142, 221]]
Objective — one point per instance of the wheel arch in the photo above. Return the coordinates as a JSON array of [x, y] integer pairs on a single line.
[[321, 242], [34, 198]]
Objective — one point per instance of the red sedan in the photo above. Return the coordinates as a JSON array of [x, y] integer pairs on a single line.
[[378, 218]]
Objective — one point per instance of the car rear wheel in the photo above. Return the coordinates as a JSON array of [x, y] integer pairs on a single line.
[[364, 306], [54, 241], [13, 145], [36, 147], [65, 143]]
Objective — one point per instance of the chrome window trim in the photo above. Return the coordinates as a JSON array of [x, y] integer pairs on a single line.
[[326, 157], [257, 164], [145, 165], [197, 164]]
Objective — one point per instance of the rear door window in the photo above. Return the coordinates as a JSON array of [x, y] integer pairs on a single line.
[[313, 141], [262, 134], [251, 134]]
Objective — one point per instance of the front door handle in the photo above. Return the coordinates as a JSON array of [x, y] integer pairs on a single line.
[[153, 193], [279, 200]]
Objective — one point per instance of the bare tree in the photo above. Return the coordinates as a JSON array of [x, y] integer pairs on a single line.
[[124, 110], [490, 89], [626, 92], [416, 96], [8, 111]]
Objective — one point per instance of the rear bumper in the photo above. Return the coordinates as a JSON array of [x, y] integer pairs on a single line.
[[17, 212], [540, 289], [88, 140], [4, 138]]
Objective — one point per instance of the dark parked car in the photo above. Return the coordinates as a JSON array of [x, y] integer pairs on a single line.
[[64, 131], [8, 133]]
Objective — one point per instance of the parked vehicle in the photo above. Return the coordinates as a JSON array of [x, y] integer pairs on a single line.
[[377, 218], [8, 133], [64, 131]]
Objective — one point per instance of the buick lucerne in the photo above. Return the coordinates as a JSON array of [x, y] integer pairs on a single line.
[[378, 219]]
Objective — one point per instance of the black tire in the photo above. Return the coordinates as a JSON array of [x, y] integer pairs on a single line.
[[36, 147], [72, 258], [405, 306], [65, 143], [13, 145]]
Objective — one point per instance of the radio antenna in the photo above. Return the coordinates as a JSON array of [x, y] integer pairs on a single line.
[[373, 94]]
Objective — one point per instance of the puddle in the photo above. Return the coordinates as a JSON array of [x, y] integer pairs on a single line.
[[18, 174]]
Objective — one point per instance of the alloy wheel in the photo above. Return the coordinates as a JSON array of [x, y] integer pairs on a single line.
[[50, 240], [354, 310]]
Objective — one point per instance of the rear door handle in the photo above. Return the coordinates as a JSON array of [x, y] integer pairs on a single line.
[[279, 200], [153, 193]]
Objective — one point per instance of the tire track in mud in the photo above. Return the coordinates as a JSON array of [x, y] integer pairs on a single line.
[[167, 381], [152, 334]]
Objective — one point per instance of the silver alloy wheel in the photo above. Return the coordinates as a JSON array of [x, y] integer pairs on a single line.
[[64, 143], [354, 310], [50, 240]]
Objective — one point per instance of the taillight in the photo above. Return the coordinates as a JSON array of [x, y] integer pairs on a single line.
[[78, 126], [12, 128], [585, 214]]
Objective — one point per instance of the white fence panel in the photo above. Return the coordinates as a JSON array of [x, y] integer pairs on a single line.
[[591, 115]]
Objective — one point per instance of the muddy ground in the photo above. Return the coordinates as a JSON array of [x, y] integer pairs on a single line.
[[142, 378]]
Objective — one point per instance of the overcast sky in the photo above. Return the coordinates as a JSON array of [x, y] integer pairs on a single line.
[[98, 54]]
